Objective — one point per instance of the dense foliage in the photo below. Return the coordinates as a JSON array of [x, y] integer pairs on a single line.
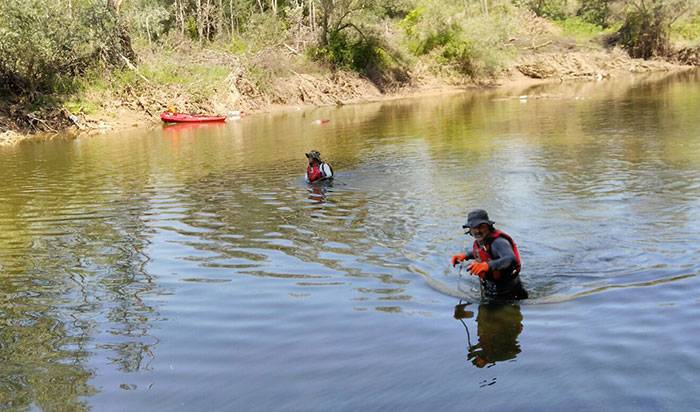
[[42, 42], [647, 25], [45, 42]]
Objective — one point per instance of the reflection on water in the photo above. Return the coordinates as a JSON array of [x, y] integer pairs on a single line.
[[163, 262], [73, 276], [318, 191], [498, 328]]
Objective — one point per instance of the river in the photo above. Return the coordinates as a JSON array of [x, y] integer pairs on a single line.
[[192, 269]]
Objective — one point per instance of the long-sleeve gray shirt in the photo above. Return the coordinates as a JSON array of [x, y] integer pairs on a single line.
[[502, 252]]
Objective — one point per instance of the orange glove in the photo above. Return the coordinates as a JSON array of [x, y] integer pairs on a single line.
[[479, 269], [458, 258]]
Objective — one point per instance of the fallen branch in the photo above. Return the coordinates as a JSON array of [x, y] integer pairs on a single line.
[[32, 117], [134, 68], [73, 119], [290, 48], [535, 47]]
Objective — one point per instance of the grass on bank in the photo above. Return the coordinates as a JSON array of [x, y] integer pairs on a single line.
[[687, 31], [444, 41], [582, 31], [156, 71]]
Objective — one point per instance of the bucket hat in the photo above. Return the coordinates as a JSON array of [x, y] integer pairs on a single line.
[[477, 217]]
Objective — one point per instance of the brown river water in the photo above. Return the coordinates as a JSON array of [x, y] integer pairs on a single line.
[[192, 269]]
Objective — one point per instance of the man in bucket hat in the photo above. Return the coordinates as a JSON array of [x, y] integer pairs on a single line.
[[497, 262], [318, 170]]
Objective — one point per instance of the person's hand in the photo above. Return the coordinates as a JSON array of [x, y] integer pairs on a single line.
[[479, 269], [458, 258]]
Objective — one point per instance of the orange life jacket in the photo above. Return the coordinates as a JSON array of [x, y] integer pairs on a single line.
[[484, 254]]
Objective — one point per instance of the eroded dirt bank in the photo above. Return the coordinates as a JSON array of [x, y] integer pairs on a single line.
[[132, 107]]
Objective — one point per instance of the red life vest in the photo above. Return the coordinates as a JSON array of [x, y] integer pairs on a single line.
[[484, 254], [314, 173]]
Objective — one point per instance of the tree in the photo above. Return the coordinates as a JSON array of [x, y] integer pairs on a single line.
[[645, 32], [40, 42]]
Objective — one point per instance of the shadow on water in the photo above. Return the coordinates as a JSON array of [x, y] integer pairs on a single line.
[[498, 328]]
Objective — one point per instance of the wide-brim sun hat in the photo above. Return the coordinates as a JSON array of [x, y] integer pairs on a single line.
[[315, 154], [477, 217]]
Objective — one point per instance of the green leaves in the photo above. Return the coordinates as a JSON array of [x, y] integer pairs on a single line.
[[475, 45], [42, 41]]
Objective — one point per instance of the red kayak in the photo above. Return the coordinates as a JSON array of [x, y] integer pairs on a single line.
[[171, 117]]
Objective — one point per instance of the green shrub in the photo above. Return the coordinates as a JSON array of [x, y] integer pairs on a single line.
[[554, 9], [687, 29], [358, 53], [191, 28], [267, 29], [645, 33], [236, 46], [578, 27], [429, 26], [40, 42], [596, 12], [487, 43], [477, 46]]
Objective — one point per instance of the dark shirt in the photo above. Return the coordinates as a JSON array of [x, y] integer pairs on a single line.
[[502, 253], [504, 260]]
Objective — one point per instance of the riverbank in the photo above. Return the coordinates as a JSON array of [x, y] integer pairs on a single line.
[[139, 104]]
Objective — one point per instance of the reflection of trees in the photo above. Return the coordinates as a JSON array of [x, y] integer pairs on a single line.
[[72, 250], [40, 360], [498, 328], [129, 315], [640, 124]]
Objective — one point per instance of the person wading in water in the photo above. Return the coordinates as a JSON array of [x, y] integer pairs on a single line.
[[497, 260], [318, 170]]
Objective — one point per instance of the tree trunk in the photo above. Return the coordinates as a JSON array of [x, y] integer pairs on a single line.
[[326, 10], [200, 23], [180, 16], [324, 29], [230, 6], [207, 20], [311, 14], [220, 23], [148, 33]]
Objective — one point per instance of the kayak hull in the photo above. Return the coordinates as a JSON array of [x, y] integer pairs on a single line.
[[169, 117]]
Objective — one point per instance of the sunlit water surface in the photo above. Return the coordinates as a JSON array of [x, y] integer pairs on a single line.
[[191, 268]]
